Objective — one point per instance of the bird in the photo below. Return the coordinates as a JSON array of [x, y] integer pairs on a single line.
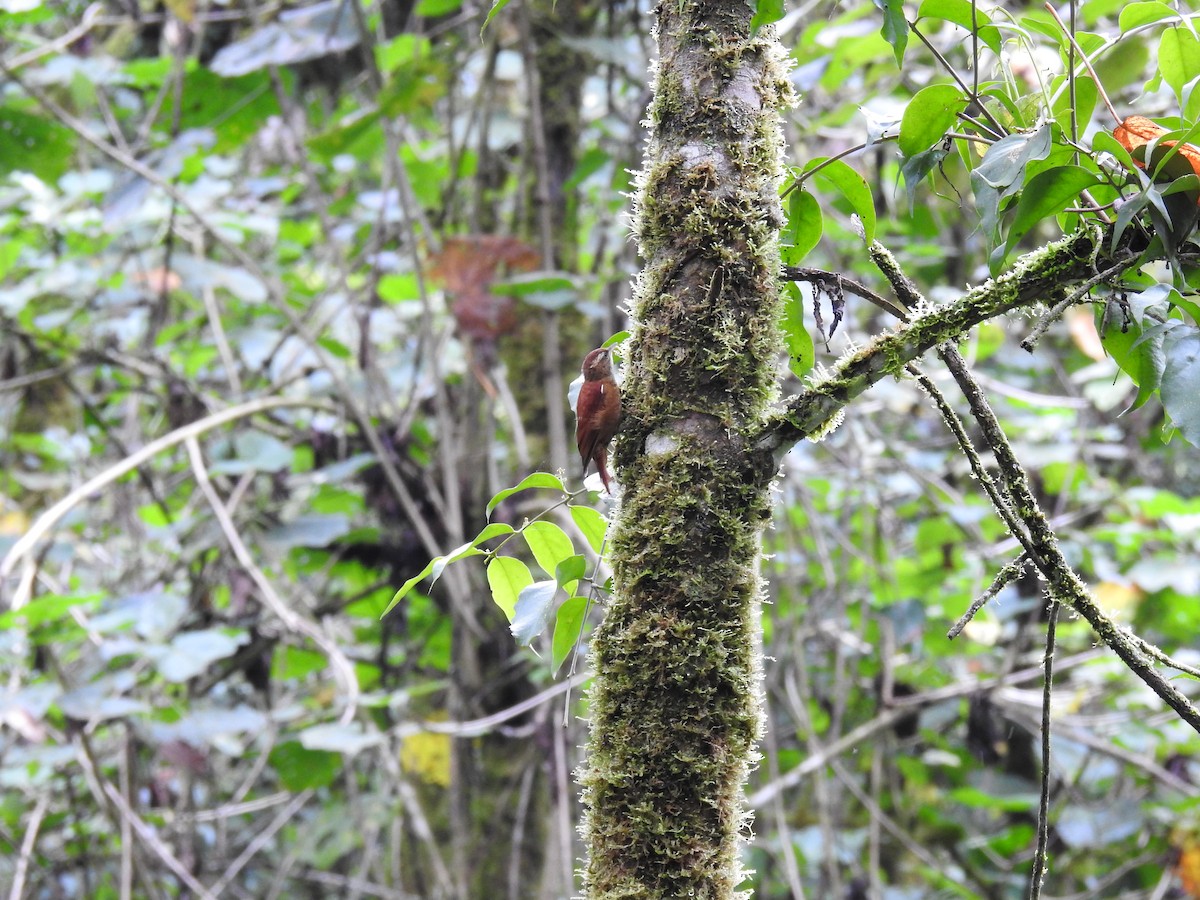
[[597, 412]]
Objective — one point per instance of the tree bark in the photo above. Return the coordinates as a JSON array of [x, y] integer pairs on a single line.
[[675, 706]]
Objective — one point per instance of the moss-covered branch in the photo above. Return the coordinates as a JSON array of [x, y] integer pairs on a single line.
[[1018, 508], [1041, 276]]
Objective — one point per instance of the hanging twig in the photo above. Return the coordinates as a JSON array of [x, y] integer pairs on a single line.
[[1043, 821]]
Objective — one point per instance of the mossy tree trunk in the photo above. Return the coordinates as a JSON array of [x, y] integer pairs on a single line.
[[675, 707]]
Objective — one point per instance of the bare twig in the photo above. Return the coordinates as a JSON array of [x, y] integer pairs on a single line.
[[51, 517], [17, 891], [291, 619], [901, 707], [1065, 585], [1079, 295], [1009, 573], [1043, 820], [1070, 35], [87, 22], [261, 840], [109, 793], [821, 279]]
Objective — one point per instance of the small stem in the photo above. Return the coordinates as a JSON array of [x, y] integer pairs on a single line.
[[1083, 58], [1008, 574], [1043, 822], [999, 129]]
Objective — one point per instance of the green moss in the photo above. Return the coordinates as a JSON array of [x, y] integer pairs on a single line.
[[675, 707]]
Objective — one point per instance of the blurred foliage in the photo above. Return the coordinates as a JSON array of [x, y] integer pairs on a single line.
[[208, 208]]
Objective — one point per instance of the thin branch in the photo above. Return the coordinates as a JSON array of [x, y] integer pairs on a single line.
[[821, 279], [487, 724], [901, 707], [1156, 653], [1070, 35], [552, 378], [346, 394], [87, 22], [1065, 585], [51, 517], [291, 619], [108, 796], [1001, 502], [889, 824], [283, 817], [1005, 576], [1037, 275], [1043, 820], [1079, 295], [1042, 545], [998, 129], [27, 844]]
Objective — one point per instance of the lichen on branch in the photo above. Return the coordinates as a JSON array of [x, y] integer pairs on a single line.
[[1040, 276]]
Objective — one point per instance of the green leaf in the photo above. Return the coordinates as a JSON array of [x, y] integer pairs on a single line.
[[30, 143], [492, 13], [1125, 61], [915, 168], [593, 525], [548, 543], [766, 12], [1178, 57], [568, 572], [804, 226], [592, 160], [974, 797], [296, 663], [1104, 142], [507, 576], [1140, 359], [895, 26], [840, 176], [398, 289], [799, 343], [1085, 102], [960, 13], [568, 627], [536, 480], [533, 611], [46, 608], [618, 338], [432, 9], [402, 50], [1180, 390], [1048, 194], [928, 116], [235, 107], [1135, 15], [357, 137], [1005, 161], [438, 564], [535, 283], [299, 769]]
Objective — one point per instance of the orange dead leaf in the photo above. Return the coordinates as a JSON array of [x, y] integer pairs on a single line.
[[1138, 131]]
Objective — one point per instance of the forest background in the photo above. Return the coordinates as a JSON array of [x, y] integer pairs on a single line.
[[292, 295]]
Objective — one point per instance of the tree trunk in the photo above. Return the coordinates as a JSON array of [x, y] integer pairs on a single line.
[[675, 707]]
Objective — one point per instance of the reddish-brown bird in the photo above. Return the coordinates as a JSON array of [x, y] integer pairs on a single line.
[[597, 412]]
